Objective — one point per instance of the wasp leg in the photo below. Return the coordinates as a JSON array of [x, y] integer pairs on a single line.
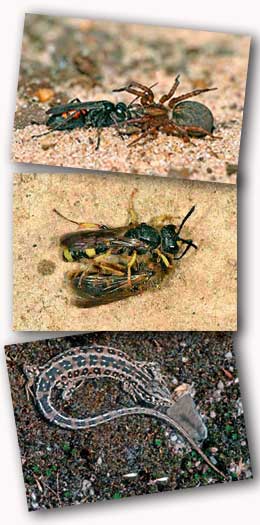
[[158, 220], [129, 266], [100, 262], [114, 269], [116, 124], [193, 93], [102, 256], [170, 94], [132, 213], [99, 131], [163, 258]]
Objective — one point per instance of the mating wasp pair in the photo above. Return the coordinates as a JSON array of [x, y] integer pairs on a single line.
[[116, 263]]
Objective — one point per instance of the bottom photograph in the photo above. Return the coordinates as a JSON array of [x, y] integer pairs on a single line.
[[108, 415]]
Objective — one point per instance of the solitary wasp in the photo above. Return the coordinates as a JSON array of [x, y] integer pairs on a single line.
[[99, 114], [124, 261]]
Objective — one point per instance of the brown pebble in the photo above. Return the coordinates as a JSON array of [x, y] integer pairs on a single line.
[[231, 169], [44, 94], [47, 145]]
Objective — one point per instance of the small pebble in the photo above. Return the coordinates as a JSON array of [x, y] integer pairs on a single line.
[[130, 475], [229, 355], [44, 94]]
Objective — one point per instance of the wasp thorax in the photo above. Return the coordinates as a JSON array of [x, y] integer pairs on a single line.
[[145, 233]]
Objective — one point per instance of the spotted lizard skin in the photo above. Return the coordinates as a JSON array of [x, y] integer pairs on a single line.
[[142, 381]]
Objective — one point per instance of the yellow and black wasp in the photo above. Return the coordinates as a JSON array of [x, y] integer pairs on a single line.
[[119, 262]]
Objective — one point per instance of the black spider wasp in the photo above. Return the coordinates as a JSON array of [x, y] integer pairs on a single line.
[[99, 114]]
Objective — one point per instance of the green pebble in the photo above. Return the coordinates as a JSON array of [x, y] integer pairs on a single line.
[[228, 428]]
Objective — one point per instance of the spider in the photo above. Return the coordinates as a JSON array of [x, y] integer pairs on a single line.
[[177, 118]]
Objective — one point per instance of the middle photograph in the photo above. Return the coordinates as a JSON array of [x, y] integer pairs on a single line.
[[123, 253]]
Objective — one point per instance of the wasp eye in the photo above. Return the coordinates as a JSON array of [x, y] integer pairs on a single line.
[[169, 239]]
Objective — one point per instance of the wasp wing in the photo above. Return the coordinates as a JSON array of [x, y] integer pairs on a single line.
[[107, 238], [97, 289], [58, 110]]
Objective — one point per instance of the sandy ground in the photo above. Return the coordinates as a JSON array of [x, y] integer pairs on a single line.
[[87, 59], [199, 295], [136, 455]]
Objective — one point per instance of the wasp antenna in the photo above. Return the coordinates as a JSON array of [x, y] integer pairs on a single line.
[[117, 90], [66, 218], [185, 219], [189, 245]]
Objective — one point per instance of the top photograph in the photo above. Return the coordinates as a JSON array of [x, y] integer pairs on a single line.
[[130, 98]]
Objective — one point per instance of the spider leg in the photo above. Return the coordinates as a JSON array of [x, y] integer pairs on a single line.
[[198, 129], [140, 91], [138, 120], [136, 98], [193, 93], [170, 94], [171, 128], [150, 131]]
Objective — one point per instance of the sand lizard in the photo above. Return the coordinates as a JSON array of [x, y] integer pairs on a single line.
[[141, 380]]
